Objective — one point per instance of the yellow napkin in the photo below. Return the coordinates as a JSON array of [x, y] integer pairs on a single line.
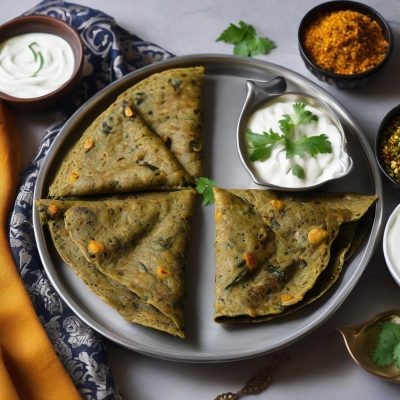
[[29, 368]]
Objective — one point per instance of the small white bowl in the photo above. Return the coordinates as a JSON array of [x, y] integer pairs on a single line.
[[389, 242]]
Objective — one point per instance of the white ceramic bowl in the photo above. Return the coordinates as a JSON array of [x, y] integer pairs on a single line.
[[390, 240]]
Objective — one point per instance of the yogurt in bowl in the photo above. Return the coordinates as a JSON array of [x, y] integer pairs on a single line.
[[391, 245], [34, 64], [41, 61], [293, 141]]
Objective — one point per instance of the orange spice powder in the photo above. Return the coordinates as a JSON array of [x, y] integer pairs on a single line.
[[345, 42]]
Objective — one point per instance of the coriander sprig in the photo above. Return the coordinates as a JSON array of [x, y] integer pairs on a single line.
[[261, 145], [387, 349], [205, 187], [247, 42]]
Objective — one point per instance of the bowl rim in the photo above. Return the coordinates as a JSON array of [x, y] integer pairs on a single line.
[[347, 77], [394, 271], [47, 21], [391, 114]]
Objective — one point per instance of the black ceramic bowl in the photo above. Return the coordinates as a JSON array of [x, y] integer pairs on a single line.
[[387, 120], [343, 81]]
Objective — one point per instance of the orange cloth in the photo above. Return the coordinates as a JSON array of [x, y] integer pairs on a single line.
[[29, 367]]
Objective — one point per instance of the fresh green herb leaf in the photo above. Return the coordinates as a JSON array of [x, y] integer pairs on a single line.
[[36, 55], [297, 170], [387, 349], [261, 145], [234, 34], [262, 45], [263, 139], [312, 145], [289, 148], [286, 125], [396, 355], [261, 154], [247, 42], [301, 115], [205, 187], [241, 49]]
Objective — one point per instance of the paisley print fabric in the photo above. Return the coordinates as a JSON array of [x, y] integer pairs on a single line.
[[110, 53]]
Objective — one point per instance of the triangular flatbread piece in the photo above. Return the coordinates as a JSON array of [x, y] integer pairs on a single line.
[[139, 243], [340, 252], [118, 153], [170, 103], [125, 302], [271, 249]]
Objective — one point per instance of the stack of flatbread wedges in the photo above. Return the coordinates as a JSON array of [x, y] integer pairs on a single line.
[[142, 154], [149, 138], [277, 252]]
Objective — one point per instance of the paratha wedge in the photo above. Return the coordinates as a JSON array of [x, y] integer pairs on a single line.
[[341, 250], [271, 249], [138, 242], [118, 153], [125, 302], [170, 103]]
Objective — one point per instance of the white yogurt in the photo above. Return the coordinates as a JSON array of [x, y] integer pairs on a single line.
[[391, 244], [276, 169], [34, 64]]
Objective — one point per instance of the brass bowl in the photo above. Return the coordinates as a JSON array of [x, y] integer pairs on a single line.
[[360, 340]]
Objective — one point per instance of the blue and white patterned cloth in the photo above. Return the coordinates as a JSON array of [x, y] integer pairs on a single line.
[[110, 53]]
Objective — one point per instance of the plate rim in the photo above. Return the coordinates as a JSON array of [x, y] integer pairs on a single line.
[[190, 356]]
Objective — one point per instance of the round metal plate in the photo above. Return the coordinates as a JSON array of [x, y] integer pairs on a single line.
[[224, 94]]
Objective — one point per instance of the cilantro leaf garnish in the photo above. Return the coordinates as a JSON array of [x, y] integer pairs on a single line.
[[262, 144], [205, 187], [301, 116], [387, 349], [297, 170], [247, 42], [312, 145], [286, 125], [396, 355]]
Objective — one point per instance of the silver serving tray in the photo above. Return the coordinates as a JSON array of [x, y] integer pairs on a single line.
[[224, 95]]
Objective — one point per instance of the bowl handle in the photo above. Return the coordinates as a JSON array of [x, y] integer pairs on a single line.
[[258, 91]]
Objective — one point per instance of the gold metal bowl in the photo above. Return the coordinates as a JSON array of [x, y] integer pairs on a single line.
[[361, 340]]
